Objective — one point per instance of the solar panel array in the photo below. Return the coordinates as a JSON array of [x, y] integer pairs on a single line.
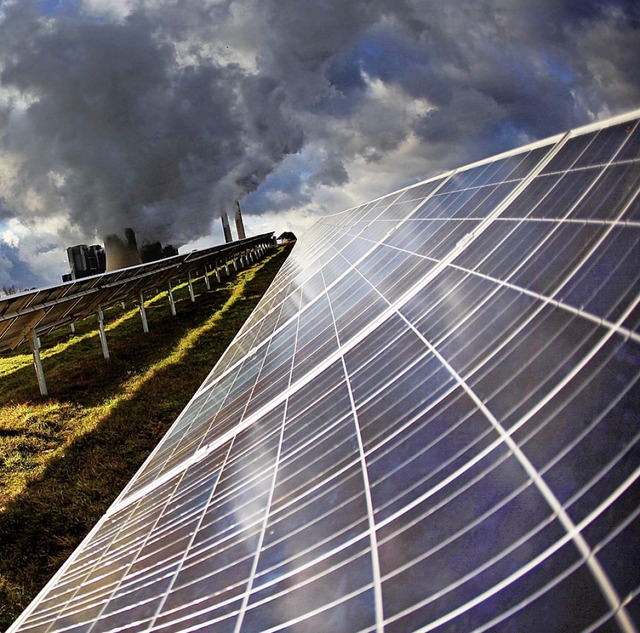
[[42, 310], [430, 423]]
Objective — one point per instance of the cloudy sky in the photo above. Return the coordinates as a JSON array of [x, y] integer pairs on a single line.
[[153, 113]]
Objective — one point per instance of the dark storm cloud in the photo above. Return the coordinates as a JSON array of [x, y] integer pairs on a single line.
[[137, 138], [149, 115]]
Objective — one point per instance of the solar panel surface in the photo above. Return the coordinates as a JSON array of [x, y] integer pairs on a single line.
[[430, 423]]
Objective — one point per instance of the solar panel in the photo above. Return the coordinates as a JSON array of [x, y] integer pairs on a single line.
[[430, 423], [29, 315], [42, 310]]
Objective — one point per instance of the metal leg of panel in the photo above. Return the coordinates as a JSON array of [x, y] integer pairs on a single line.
[[103, 334], [226, 269], [207, 282], [235, 265], [172, 303], [34, 343], [73, 328], [143, 313], [191, 293], [217, 275]]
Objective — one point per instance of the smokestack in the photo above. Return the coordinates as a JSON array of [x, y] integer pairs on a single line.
[[225, 225], [121, 253], [239, 223]]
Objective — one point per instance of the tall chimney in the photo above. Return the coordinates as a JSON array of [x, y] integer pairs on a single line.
[[239, 223], [225, 225]]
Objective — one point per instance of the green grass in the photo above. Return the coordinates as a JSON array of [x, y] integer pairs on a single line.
[[65, 458]]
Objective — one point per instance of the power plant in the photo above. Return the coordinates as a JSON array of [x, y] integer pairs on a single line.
[[85, 261], [117, 253]]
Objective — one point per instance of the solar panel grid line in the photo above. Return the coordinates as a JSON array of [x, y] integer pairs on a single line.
[[536, 595], [475, 272], [535, 562], [375, 563], [468, 527], [569, 377], [193, 537], [601, 577], [496, 348], [616, 327], [493, 590], [634, 224], [93, 565], [417, 484], [308, 579], [586, 255], [114, 590], [601, 474], [393, 195], [597, 570], [562, 454], [199, 455], [126, 498], [254, 566]]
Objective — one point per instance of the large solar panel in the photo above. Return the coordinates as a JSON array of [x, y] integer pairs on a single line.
[[430, 423]]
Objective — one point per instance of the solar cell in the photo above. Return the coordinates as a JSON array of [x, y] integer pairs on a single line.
[[430, 423]]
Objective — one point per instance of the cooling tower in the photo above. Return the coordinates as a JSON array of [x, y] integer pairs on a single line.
[[121, 253]]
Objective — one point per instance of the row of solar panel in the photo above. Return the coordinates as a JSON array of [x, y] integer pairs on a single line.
[[40, 311]]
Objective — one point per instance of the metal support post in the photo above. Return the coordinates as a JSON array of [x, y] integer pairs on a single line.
[[207, 283], [34, 343], [73, 328], [172, 303], [191, 293], [226, 269], [143, 313], [217, 275], [235, 265], [103, 334]]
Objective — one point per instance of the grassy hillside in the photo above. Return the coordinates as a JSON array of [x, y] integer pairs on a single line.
[[64, 458]]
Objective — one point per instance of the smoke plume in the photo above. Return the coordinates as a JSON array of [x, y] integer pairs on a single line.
[[151, 113]]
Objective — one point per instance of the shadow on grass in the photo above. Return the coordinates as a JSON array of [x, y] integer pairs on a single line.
[[41, 527]]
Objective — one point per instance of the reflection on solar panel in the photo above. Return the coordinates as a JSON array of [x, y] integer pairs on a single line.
[[429, 423]]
